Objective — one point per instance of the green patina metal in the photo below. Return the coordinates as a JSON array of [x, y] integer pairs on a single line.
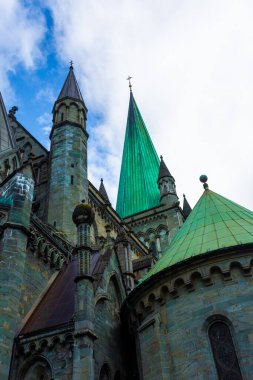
[[138, 189], [214, 223]]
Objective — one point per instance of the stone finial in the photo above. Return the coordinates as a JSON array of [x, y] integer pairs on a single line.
[[203, 178], [83, 213]]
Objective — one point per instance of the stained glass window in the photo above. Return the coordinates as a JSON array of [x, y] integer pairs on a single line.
[[224, 352]]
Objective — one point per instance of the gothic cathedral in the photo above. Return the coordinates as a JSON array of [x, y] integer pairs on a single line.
[[144, 292]]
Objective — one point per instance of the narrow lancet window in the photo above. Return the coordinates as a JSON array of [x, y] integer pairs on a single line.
[[224, 352]]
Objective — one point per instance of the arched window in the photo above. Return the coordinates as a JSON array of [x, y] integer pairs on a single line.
[[38, 370], [224, 352], [104, 373]]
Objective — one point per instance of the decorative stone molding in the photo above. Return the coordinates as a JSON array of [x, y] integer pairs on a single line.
[[180, 281]]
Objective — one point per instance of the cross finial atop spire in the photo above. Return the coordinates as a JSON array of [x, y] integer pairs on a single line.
[[161, 157], [71, 64], [130, 84]]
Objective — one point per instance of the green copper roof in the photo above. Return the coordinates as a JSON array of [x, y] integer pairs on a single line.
[[138, 190], [214, 223]]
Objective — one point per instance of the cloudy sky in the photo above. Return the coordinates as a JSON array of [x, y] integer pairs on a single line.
[[192, 69]]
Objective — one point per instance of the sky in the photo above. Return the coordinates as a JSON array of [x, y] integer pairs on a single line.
[[192, 69]]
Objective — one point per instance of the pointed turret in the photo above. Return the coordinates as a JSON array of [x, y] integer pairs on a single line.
[[166, 184], [69, 106], [139, 168], [186, 207], [68, 157], [103, 192], [70, 88], [7, 141], [215, 223]]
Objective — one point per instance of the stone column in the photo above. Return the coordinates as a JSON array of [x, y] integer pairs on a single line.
[[124, 254], [83, 359], [17, 194]]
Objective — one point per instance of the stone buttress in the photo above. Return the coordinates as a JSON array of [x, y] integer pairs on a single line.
[[83, 359], [16, 199]]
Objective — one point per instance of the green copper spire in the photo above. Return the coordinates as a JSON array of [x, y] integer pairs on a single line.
[[213, 224], [138, 189]]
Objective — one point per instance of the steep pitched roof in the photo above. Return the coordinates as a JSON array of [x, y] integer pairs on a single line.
[[6, 137], [138, 189], [215, 223], [103, 191], [163, 170], [70, 88], [57, 307], [186, 207]]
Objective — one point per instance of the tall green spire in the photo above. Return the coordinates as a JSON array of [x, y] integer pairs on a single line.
[[138, 190], [214, 223]]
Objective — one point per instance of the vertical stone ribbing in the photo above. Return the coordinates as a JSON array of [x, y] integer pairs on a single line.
[[83, 217]]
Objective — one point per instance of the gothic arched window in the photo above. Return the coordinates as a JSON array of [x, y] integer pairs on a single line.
[[104, 373], [224, 352]]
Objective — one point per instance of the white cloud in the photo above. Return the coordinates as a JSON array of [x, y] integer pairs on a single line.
[[21, 30], [45, 122], [46, 94], [191, 64]]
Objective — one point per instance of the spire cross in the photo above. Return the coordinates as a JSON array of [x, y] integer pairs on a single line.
[[161, 158], [130, 84], [71, 64]]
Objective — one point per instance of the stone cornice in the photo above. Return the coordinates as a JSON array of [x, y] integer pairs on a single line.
[[170, 282]]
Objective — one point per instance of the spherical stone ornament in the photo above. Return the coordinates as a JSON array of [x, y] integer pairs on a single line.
[[83, 213], [203, 178]]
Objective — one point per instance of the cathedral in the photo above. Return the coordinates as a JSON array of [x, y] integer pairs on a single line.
[[148, 291]]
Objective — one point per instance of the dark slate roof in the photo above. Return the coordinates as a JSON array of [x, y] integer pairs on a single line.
[[186, 207], [103, 191], [163, 170], [70, 88], [57, 307]]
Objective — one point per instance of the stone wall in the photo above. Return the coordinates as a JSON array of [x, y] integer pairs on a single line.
[[173, 317]]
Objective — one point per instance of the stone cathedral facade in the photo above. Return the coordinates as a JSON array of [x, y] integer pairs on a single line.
[[147, 291]]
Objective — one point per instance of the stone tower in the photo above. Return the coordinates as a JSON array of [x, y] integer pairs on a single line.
[[68, 157]]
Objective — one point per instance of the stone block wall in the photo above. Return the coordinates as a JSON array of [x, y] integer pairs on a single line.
[[176, 313], [68, 177]]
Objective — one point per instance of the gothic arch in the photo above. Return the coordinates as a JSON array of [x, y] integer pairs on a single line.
[[105, 372], [222, 341], [36, 368], [114, 279]]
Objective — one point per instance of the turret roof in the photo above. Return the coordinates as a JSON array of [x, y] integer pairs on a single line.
[[163, 170], [103, 191], [70, 88], [215, 223], [138, 190], [186, 207]]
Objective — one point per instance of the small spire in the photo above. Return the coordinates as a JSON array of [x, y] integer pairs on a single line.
[[130, 84], [71, 64], [203, 178], [103, 192], [186, 207], [163, 170]]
